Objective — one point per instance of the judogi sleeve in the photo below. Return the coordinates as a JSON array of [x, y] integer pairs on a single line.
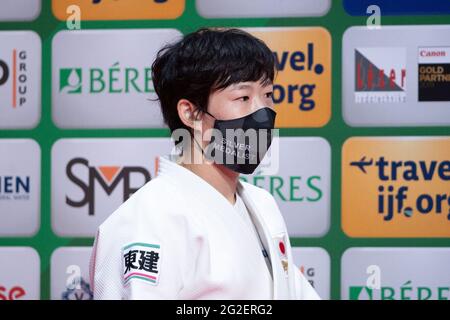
[[103, 273], [152, 257]]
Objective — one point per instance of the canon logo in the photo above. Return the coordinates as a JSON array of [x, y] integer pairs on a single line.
[[433, 53]]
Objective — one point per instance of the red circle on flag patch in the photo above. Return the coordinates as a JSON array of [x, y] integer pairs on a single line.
[[282, 249]]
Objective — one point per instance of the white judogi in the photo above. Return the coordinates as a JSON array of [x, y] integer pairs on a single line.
[[266, 277], [177, 237], [243, 211]]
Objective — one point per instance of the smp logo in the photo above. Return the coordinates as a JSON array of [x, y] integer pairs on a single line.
[[13, 293], [91, 178], [16, 71], [302, 88], [107, 177]]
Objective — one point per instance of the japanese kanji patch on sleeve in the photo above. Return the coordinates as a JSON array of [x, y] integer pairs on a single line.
[[141, 262]]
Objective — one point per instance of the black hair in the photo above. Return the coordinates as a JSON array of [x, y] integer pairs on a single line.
[[205, 61]]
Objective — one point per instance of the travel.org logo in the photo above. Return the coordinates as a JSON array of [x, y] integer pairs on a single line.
[[300, 61], [302, 89], [396, 187], [392, 200]]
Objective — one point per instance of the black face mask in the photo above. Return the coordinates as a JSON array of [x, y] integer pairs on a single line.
[[244, 141]]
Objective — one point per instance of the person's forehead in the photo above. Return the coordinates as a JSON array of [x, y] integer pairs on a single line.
[[248, 85]]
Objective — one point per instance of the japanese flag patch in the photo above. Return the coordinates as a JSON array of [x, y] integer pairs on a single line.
[[141, 262], [280, 242]]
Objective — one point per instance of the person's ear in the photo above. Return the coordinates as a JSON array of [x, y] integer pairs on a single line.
[[186, 112]]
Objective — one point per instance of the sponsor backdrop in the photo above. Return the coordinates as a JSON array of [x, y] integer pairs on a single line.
[[364, 116]]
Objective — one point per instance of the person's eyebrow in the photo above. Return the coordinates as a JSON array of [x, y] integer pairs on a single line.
[[266, 83]]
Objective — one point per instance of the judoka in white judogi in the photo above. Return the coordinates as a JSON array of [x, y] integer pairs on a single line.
[[177, 237]]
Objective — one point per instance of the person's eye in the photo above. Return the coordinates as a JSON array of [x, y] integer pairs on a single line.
[[243, 98], [269, 95]]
